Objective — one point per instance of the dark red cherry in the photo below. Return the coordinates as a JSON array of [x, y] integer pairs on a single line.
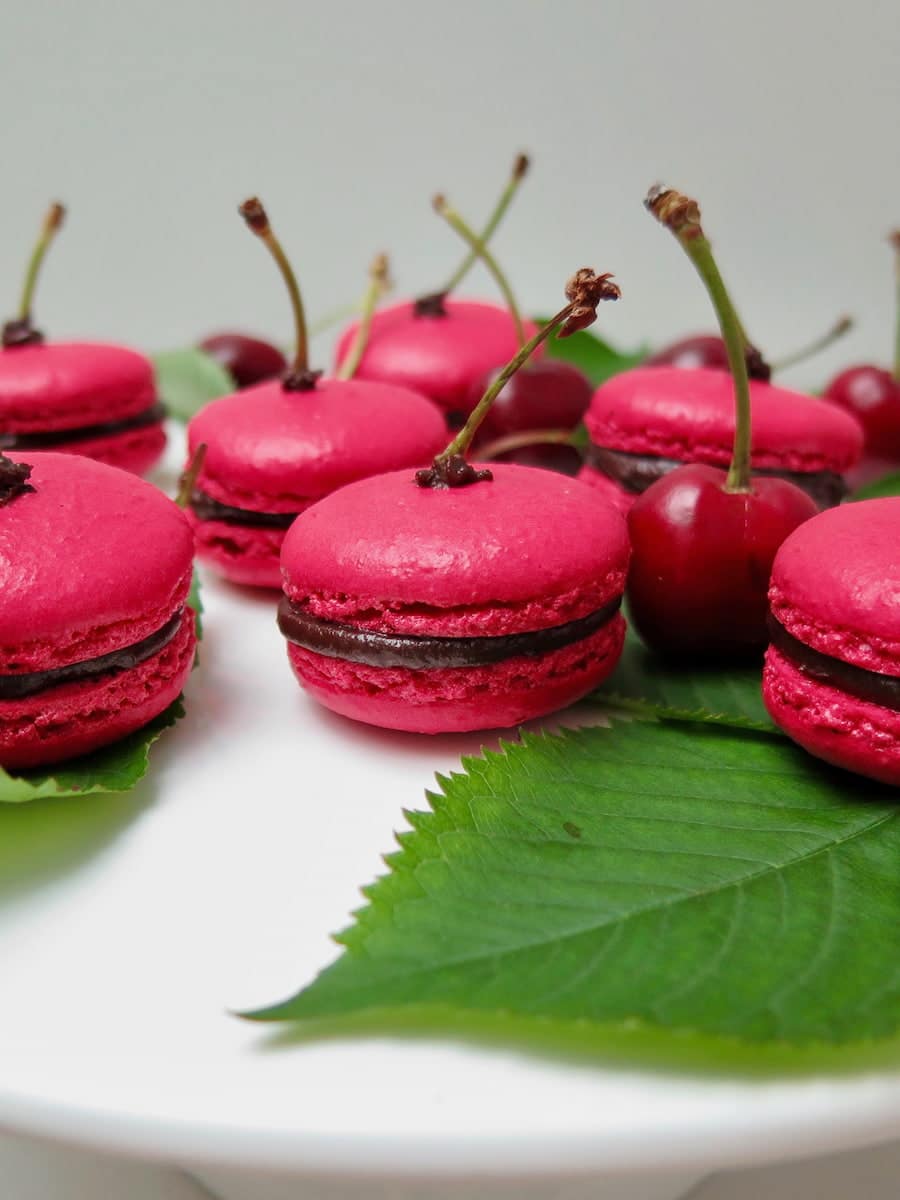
[[248, 360], [544, 394], [872, 394], [565, 460], [701, 350], [701, 561]]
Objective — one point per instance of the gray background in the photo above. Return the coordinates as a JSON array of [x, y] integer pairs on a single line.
[[152, 120]]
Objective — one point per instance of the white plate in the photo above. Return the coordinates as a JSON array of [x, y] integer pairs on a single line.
[[130, 925]]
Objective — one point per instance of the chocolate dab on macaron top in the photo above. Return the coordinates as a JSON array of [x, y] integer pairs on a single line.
[[274, 449], [94, 399]]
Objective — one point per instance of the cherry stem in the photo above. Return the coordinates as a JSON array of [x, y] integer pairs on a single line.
[[480, 250], [584, 291], [895, 242], [528, 437], [52, 222], [681, 216], [519, 171], [189, 478], [841, 326], [257, 220], [379, 284]]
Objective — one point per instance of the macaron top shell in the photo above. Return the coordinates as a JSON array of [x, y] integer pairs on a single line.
[[836, 584], [92, 561], [536, 548], [668, 412], [441, 356], [271, 450], [65, 385]]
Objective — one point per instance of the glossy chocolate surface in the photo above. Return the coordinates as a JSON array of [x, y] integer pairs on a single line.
[[15, 687], [856, 681], [207, 509], [349, 642], [636, 472], [62, 437]]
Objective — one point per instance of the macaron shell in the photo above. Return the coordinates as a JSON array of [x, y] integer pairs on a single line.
[[64, 385], [93, 560], [241, 553], [836, 584], [442, 357], [273, 450], [669, 412], [454, 700], [539, 547], [134, 450], [831, 724], [76, 718]]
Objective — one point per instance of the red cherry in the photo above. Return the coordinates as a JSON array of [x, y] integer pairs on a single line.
[[701, 560], [544, 394], [701, 350], [552, 456], [248, 360], [872, 394]]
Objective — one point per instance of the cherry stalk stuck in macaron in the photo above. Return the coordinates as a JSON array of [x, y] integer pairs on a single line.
[[438, 345], [532, 419], [93, 399], [274, 449], [703, 539], [448, 600], [96, 636], [872, 393], [648, 421]]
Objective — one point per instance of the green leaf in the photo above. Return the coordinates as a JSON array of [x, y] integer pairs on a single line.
[[680, 890], [115, 768], [188, 379], [887, 485], [732, 696], [195, 601], [592, 355]]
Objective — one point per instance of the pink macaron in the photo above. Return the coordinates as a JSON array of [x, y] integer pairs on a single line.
[[85, 398], [440, 347], [272, 452], [95, 635], [647, 421], [832, 672], [445, 609]]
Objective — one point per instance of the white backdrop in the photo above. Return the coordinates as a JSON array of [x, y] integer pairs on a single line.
[[152, 120]]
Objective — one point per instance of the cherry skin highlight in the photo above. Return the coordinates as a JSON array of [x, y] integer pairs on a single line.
[[701, 561], [872, 395], [701, 350], [248, 360]]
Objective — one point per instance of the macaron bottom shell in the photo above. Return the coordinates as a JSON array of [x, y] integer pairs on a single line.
[[72, 719], [831, 724], [458, 699], [134, 450], [242, 554]]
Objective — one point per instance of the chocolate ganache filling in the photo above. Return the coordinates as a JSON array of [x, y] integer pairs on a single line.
[[61, 437], [335, 640], [856, 681], [634, 473], [16, 687], [207, 509]]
